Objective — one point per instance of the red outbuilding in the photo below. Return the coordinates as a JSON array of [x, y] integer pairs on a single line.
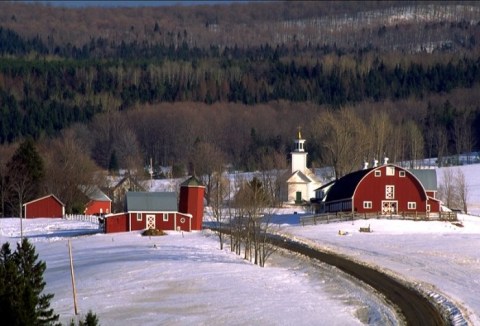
[[48, 206], [161, 210], [385, 190], [98, 202]]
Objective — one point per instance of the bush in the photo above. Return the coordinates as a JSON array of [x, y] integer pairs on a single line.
[[154, 232], [90, 320]]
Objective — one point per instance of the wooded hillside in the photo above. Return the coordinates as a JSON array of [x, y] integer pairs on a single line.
[[170, 83]]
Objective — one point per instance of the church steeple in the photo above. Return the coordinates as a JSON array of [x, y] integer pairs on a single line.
[[299, 156], [299, 142]]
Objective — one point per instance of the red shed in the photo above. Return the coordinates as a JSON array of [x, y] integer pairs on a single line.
[[98, 202], [387, 189], [48, 206]]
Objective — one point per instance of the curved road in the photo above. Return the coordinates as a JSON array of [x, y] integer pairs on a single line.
[[415, 308]]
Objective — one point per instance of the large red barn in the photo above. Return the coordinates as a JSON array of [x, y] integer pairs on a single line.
[[161, 210], [386, 190], [47, 206]]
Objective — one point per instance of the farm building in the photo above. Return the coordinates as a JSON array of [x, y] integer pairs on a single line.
[[98, 202], [385, 190], [47, 206], [161, 210], [116, 192], [298, 185]]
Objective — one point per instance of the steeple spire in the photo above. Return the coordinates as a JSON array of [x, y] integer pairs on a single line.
[[299, 142], [299, 156]]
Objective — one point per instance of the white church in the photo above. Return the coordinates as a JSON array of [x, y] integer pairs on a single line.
[[300, 183]]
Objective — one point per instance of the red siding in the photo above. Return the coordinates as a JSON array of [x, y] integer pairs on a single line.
[[191, 202], [121, 222], [116, 223], [44, 207], [98, 207]]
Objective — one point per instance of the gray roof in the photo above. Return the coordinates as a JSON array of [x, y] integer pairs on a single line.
[[151, 201], [428, 178], [94, 193]]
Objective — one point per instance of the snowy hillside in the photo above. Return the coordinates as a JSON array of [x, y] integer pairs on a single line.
[[184, 279]]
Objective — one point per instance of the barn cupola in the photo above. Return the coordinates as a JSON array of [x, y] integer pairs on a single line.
[[375, 163], [299, 156], [385, 160], [365, 165]]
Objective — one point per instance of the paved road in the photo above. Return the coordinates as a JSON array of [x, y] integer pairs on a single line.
[[415, 308]]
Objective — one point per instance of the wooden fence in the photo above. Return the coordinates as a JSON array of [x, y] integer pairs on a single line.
[[81, 217], [349, 216]]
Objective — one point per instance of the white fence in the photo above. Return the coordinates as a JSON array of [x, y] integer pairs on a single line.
[[81, 217]]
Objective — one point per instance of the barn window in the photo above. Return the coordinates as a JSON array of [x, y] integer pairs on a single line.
[[412, 205], [378, 173], [390, 170], [389, 192], [428, 207], [165, 217], [402, 174], [367, 204], [182, 220], [139, 216]]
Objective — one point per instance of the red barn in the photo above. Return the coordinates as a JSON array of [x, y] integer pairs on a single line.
[[387, 190], [48, 206], [161, 210], [98, 202]]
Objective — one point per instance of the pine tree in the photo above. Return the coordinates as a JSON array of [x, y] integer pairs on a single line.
[[8, 282], [25, 173], [21, 287]]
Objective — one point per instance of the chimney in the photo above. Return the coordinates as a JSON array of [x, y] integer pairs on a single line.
[[375, 162], [385, 160]]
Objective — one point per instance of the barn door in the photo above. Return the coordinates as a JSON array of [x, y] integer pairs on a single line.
[[150, 221], [389, 207]]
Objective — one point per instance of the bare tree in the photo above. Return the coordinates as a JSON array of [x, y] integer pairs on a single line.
[[464, 139], [343, 140], [253, 205], [220, 186], [454, 189], [447, 188], [415, 142], [462, 190], [70, 173], [380, 132], [207, 160]]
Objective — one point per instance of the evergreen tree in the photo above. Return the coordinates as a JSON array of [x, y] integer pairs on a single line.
[[25, 173], [21, 287]]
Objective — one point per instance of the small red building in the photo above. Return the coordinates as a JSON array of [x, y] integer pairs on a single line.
[[98, 202], [161, 210], [48, 206], [387, 190]]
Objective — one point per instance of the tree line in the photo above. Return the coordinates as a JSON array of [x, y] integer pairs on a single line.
[[40, 98]]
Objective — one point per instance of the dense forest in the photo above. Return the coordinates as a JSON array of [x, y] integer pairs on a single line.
[[183, 86]]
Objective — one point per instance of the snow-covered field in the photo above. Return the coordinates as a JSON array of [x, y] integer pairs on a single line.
[[184, 279]]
